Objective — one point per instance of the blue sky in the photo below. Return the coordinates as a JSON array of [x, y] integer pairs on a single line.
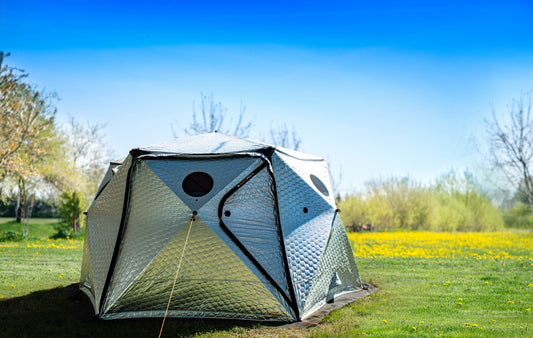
[[378, 88]]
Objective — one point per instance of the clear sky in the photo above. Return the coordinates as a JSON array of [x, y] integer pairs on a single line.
[[377, 87]]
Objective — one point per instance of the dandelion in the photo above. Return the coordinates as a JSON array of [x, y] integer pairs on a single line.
[[413, 327], [460, 299], [486, 283], [12, 285], [385, 321], [421, 322], [528, 309]]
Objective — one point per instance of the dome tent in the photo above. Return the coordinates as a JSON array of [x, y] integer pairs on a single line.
[[232, 228]]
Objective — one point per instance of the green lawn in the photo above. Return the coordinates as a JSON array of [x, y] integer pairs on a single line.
[[38, 227], [431, 297]]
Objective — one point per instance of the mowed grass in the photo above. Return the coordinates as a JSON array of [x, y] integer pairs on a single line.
[[38, 227], [430, 284]]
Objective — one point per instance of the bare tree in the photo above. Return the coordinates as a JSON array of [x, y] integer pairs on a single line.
[[285, 138], [511, 145], [213, 116]]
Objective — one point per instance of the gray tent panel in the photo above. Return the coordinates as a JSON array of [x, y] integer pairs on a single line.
[[104, 216], [155, 215], [214, 143], [209, 214], [87, 275], [250, 214], [222, 288], [306, 220], [313, 171], [113, 167], [221, 170], [337, 272]]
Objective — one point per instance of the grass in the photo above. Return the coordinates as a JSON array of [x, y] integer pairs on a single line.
[[38, 227], [479, 285]]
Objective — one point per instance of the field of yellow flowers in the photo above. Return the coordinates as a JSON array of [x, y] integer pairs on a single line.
[[430, 284], [489, 245]]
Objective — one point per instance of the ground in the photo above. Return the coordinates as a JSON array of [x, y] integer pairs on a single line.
[[430, 284]]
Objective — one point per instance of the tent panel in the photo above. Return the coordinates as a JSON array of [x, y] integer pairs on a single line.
[[306, 169], [250, 214], [155, 215], [212, 282], [103, 222], [87, 277], [222, 171], [213, 143], [306, 223], [108, 176], [337, 272], [209, 214]]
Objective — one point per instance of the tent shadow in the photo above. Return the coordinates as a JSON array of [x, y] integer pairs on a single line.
[[67, 312]]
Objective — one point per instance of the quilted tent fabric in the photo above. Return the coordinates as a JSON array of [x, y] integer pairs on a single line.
[[255, 227]]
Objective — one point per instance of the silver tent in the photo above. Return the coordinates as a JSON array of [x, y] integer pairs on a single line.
[[232, 228]]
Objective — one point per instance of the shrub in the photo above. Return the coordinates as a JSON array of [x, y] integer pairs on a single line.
[[519, 216], [11, 236], [455, 202], [61, 233], [70, 209]]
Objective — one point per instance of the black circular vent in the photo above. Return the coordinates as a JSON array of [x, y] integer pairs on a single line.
[[197, 184], [319, 185]]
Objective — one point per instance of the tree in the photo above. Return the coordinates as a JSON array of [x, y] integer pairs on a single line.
[[70, 209], [511, 145], [285, 138], [77, 171], [212, 117], [26, 123], [27, 134]]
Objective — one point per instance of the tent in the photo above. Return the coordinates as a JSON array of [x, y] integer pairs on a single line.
[[215, 226]]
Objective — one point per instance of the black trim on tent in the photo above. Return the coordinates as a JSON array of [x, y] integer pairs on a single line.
[[101, 190], [290, 299], [135, 153], [282, 240]]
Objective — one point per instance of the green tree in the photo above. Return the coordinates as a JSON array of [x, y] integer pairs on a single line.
[[71, 210], [27, 133]]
